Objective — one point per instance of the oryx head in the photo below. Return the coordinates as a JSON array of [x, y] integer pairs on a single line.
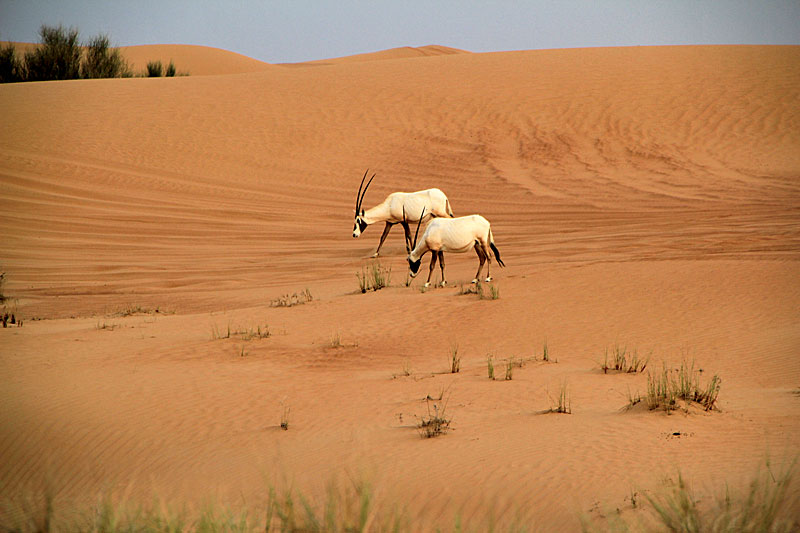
[[413, 265], [360, 225]]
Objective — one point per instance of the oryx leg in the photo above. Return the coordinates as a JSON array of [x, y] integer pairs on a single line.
[[485, 249], [434, 257], [441, 266], [482, 258], [383, 238]]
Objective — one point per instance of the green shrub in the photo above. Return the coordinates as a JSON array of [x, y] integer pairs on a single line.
[[11, 68], [57, 58], [101, 61]]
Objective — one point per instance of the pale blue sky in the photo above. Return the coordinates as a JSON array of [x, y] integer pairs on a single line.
[[300, 30]]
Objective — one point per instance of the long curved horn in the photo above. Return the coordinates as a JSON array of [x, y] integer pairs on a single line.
[[358, 194], [363, 194], [416, 234]]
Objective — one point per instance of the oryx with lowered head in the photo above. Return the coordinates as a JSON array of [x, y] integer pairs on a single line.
[[456, 235], [399, 208]]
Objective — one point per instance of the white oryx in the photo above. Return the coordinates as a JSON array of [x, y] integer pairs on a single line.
[[453, 235], [396, 207]]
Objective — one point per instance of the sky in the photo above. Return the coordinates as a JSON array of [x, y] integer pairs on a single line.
[[301, 30]]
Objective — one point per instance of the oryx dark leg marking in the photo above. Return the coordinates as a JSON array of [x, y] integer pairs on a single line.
[[434, 257], [383, 236], [441, 266]]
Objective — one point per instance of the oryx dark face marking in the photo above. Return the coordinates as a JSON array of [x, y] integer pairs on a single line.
[[413, 266], [359, 226]]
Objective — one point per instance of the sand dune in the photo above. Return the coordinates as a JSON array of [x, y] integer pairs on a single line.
[[646, 197]]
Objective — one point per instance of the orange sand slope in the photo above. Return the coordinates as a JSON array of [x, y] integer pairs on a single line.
[[646, 197], [192, 60]]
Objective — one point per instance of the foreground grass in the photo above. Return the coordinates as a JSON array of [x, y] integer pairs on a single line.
[[768, 503]]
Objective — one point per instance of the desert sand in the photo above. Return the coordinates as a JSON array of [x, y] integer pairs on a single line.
[[641, 197]]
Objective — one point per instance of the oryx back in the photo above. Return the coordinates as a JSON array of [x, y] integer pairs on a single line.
[[456, 234], [411, 204]]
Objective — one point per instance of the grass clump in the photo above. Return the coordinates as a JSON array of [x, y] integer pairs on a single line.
[[562, 403], [490, 366], [290, 300], [624, 362], [435, 423], [455, 359], [374, 277], [668, 388]]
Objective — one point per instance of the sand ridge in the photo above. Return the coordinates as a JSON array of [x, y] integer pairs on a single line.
[[639, 196]]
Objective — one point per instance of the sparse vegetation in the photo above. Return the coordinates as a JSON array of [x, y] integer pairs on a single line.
[[490, 366], [670, 386], [244, 333], [494, 292], [509, 369], [764, 507], [434, 423], [560, 404], [61, 56], [336, 340], [290, 300], [284, 416], [624, 362], [455, 359], [374, 277], [545, 352]]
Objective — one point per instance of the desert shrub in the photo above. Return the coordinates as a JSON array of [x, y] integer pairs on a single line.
[[57, 58], [11, 68], [101, 61], [170, 72], [154, 69]]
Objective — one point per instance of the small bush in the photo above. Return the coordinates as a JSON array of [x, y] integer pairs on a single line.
[[170, 72], [154, 69], [490, 366]]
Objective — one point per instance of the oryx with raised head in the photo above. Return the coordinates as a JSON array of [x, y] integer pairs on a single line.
[[456, 235], [396, 207]]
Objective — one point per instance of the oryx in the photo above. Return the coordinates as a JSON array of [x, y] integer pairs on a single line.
[[396, 207], [453, 235]]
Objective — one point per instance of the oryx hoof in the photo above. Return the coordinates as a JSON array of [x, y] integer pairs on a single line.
[[489, 278], [444, 283], [474, 281], [427, 284], [373, 256]]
